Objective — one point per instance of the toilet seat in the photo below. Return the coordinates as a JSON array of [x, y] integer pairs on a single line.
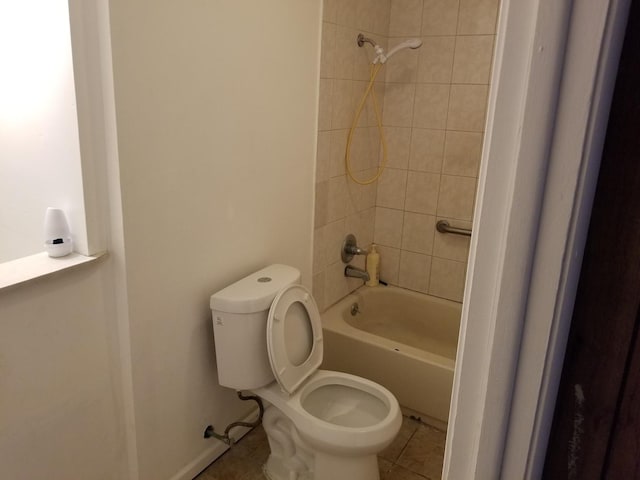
[[294, 322]]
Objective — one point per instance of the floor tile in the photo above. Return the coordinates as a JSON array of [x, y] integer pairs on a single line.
[[400, 473], [416, 454], [424, 453], [393, 451], [243, 461], [384, 466]]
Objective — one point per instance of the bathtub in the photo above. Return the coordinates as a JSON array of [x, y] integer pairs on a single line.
[[403, 340]]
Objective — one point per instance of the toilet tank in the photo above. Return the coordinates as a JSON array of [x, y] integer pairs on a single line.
[[239, 314]]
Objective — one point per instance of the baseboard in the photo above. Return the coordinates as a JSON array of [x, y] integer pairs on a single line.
[[433, 422], [202, 461]]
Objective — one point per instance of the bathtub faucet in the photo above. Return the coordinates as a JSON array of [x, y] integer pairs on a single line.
[[350, 248], [355, 272]]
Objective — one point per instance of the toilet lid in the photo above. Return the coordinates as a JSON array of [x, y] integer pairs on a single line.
[[294, 337]]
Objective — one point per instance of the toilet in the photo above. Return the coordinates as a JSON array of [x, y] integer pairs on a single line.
[[321, 425]]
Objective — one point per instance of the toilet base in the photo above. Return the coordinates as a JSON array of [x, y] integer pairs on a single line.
[[332, 467], [292, 459], [327, 467]]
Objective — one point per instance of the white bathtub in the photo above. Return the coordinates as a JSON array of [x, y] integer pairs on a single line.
[[403, 340]]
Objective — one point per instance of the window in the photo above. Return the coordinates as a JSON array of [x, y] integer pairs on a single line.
[[39, 145]]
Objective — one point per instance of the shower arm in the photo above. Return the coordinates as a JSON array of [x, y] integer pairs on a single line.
[[362, 40]]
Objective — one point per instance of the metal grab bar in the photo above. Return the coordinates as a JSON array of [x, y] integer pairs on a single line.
[[443, 227]]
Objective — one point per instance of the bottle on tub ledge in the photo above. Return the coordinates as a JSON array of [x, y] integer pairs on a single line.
[[373, 266], [57, 237]]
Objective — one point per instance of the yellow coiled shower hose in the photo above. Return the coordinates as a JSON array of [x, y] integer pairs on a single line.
[[375, 68]]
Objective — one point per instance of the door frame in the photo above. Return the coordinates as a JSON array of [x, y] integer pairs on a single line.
[[553, 77]]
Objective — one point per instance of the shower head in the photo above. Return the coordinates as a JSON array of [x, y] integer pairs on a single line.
[[382, 57], [412, 43]]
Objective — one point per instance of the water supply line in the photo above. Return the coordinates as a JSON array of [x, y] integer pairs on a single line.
[[225, 437], [376, 65]]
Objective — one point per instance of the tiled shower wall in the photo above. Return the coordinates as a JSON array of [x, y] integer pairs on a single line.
[[434, 104]]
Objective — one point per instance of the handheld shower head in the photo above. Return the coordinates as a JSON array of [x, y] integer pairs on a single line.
[[412, 43], [382, 57]]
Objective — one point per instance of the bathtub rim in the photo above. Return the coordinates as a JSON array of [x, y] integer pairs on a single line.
[[332, 320]]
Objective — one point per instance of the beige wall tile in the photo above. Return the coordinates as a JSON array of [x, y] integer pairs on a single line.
[[457, 196], [431, 105], [462, 153], [361, 224], [368, 115], [364, 149], [405, 18], [447, 279], [342, 104], [388, 227], [417, 232], [361, 197], [472, 60], [336, 285], [330, 10], [389, 263], [332, 238], [325, 101], [338, 146], [319, 260], [414, 271], [345, 52], [439, 17], [427, 150], [374, 148], [321, 201], [365, 15], [323, 156], [328, 50], [398, 146], [435, 59], [422, 192], [382, 12], [392, 186], [398, 104], [403, 67], [467, 108], [477, 17], [362, 63], [337, 199], [317, 289], [452, 247], [346, 13]]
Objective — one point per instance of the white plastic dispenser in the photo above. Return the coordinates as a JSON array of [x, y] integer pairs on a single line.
[[57, 237], [373, 266]]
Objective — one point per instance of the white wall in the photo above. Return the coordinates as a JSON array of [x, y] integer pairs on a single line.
[[216, 106], [39, 152], [61, 390], [60, 406]]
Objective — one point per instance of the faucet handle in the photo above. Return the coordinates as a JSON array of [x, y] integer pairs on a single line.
[[350, 248]]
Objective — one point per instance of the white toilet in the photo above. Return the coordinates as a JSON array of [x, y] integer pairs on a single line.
[[321, 425]]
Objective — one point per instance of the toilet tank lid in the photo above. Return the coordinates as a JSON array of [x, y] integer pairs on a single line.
[[255, 292]]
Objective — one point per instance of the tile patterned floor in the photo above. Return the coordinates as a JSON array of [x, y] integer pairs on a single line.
[[415, 454]]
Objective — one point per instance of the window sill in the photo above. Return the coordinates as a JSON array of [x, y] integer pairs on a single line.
[[26, 269]]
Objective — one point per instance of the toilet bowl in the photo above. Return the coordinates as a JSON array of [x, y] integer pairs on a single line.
[[321, 425], [334, 411]]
